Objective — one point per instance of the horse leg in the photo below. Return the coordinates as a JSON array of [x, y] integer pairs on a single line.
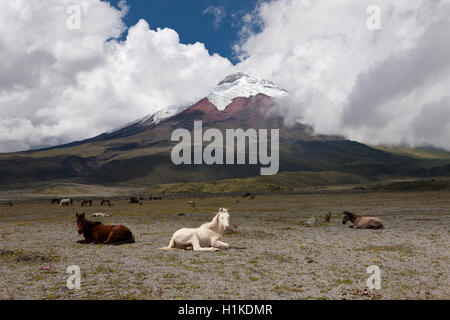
[[196, 246], [112, 237], [221, 245], [172, 246], [118, 237], [84, 241]]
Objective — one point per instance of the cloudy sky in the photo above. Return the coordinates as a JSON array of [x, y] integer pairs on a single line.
[[62, 81]]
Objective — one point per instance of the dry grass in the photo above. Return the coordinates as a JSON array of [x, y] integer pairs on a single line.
[[273, 255]]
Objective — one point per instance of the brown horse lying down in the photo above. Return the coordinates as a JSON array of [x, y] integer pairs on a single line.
[[362, 222], [96, 232]]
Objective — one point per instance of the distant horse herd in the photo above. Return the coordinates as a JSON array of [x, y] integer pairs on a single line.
[[65, 202], [207, 237]]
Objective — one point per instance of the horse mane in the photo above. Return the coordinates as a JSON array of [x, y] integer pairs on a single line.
[[352, 214], [210, 224]]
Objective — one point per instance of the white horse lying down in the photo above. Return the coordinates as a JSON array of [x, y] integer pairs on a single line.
[[205, 238], [100, 214]]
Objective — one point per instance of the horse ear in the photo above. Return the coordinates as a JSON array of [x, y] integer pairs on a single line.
[[76, 215]]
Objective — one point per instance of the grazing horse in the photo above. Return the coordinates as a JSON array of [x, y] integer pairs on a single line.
[[86, 202], [105, 201], [205, 238], [66, 202], [98, 233], [56, 200], [362, 222]]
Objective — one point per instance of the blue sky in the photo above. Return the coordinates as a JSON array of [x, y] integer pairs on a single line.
[[192, 20]]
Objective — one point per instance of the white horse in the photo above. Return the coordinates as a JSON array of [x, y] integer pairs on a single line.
[[66, 202], [205, 238], [100, 214]]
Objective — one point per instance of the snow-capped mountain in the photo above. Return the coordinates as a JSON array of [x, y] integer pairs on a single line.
[[233, 86], [140, 153], [242, 85]]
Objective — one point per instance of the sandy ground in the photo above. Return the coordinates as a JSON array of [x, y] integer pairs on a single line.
[[273, 254]]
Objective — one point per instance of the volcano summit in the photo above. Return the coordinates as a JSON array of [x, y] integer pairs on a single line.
[[139, 153]]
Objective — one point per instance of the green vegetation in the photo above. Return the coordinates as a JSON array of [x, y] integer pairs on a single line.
[[142, 158], [418, 185], [421, 153], [282, 182], [82, 189]]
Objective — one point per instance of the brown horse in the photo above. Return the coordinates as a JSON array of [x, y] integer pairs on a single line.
[[98, 233], [362, 222], [86, 202], [134, 200], [105, 201]]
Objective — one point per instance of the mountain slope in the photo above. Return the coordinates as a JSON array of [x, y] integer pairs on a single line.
[[139, 153]]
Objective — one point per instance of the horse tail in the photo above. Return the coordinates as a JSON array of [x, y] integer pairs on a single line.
[[171, 246]]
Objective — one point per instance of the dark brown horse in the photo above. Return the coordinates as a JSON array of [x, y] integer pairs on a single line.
[[96, 232], [56, 200], [105, 202], [362, 222], [134, 200], [86, 202]]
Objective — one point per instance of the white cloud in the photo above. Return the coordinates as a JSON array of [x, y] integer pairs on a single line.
[[59, 85], [388, 86], [372, 86]]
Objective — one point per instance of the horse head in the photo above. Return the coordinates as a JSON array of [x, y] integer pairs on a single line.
[[81, 222], [224, 218], [346, 216]]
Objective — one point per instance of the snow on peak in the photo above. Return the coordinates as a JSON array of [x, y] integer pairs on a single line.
[[163, 114], [242, 85], [158, 116], [233, 86]]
